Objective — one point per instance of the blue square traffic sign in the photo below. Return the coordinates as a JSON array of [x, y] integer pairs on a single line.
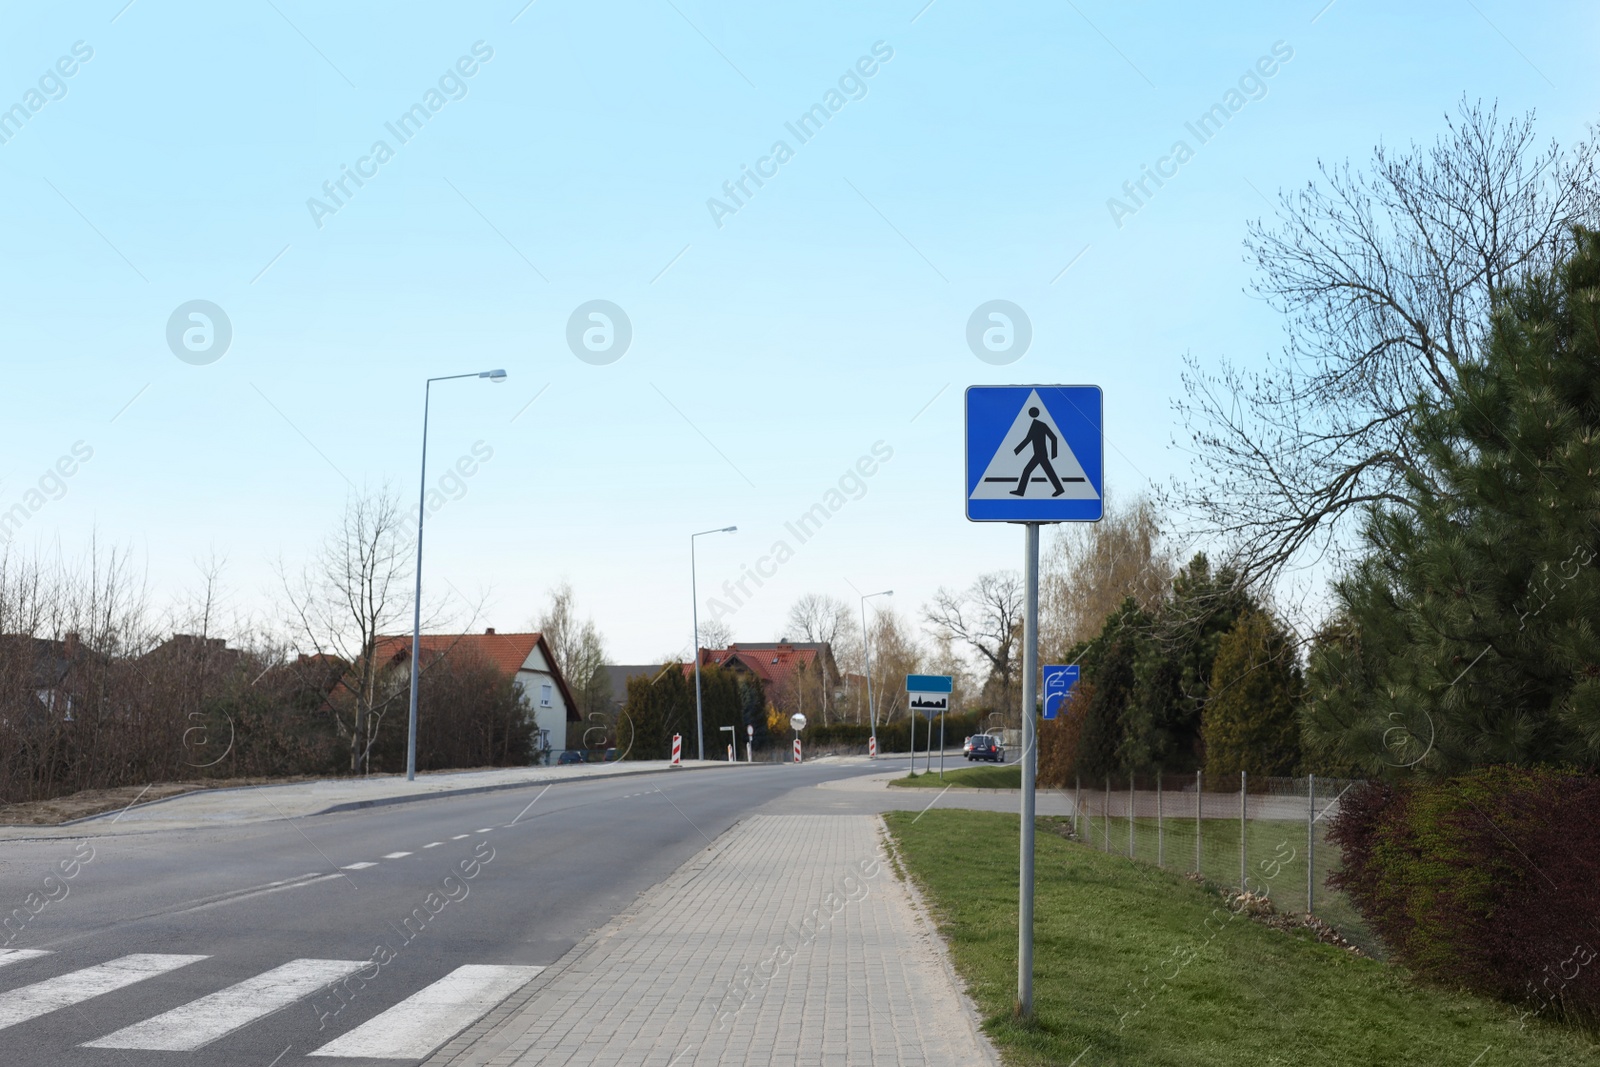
[[1035, 453]]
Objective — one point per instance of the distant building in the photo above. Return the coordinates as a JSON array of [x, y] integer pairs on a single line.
[[526, 658], [797, 675]]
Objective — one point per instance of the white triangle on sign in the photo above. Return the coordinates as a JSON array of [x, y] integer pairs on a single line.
[[1027, 448]]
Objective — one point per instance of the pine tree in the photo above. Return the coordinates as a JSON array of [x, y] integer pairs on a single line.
[[1467, 634], [1251, 717], [1109, 661]]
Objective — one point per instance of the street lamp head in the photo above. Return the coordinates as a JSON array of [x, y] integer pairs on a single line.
[[729, 529], [494, 375]]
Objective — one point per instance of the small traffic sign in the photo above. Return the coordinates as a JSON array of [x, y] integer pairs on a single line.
[[1035, 453], [1058, 683]]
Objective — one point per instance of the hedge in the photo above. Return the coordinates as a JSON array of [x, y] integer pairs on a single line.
[[1489, 881]]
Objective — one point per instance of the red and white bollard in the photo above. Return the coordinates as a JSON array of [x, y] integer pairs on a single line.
[[677, 750], [872, 748], [797, 750], [730, 753]]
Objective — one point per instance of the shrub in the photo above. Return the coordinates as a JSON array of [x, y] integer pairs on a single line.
[[1059, 738], [1489, 881]]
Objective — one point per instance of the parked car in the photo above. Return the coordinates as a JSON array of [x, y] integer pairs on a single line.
[[569, 756], [985, 747]]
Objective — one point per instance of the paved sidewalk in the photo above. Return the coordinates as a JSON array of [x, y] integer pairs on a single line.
[[264, 803], [790, 941]]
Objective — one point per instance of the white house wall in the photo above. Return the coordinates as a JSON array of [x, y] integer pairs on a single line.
[[533, 677]]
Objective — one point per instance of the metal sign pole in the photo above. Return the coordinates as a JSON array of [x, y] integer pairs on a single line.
[[941, 745], [1030, 671]]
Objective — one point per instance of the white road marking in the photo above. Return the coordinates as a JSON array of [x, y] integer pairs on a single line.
[[458, 837], [17, 955], [200, 1022], [433, 844], [397, 855], [428, 1018], [363, 865], [75, 987], [486, 829]]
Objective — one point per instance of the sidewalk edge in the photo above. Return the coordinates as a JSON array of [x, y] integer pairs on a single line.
[[924, 917]]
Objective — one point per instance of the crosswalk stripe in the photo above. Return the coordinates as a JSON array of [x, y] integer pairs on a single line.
[[17, 955], [433, 1015], [200, 1022], [41, 998]]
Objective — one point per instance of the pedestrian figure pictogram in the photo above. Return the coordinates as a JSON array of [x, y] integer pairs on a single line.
[[1037, 433]]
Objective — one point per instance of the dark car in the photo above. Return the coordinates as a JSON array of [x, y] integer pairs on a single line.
[[985, 747], [569, 757]]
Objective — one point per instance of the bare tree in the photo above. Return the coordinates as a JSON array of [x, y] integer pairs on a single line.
[[1089, 569], [895, 654], [822, 619], [1387, 278], [987, 618], [350, 595], [714, 633], [578, 648]]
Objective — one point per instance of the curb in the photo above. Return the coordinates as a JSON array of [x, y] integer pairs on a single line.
[[345, 806], [384, 802]]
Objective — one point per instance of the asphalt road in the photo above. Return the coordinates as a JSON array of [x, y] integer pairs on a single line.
[[217, 947]]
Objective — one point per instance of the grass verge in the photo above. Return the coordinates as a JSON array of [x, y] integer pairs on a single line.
[[1136, 965], [987, 776]]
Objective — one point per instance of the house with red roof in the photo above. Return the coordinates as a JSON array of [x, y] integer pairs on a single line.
[[789, 670], [524, 657]]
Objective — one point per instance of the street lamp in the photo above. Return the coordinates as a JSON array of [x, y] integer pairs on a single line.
[[699, 728], [495, 376], [866, 647]]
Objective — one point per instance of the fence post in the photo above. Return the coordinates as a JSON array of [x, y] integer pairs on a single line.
[[1108, 813], [1133, 804], [1311, 841], [1199, 803], [1077, 805], [1242, 835], [1161, 841]]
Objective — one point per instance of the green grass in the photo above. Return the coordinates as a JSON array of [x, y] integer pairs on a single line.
[[983, 776], [1137, 965]]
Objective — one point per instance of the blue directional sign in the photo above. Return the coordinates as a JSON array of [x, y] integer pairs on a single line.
[[1058, 683], [929, 693], [1035, 453]]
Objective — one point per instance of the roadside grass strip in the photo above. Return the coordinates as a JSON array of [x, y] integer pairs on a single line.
[[989, 777], [1137, 965]]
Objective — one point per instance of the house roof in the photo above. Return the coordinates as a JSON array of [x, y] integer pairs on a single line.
[[774, 662], [506, 652]]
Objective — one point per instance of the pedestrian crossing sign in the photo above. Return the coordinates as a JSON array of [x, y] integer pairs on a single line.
[[1035, 453]]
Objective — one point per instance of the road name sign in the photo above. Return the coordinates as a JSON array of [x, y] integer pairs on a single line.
[[1035, 453], [1058, 683]]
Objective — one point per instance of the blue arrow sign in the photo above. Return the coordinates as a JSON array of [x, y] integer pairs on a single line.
[[1058, 683], [1035, 453]]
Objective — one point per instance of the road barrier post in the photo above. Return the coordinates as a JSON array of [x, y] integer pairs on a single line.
[[677, 750]]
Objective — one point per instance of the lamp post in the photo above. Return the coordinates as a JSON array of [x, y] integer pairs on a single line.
[[866, 648], [496, 376], [699, 727]]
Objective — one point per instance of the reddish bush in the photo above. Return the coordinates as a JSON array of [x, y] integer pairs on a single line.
[[1489, 881]]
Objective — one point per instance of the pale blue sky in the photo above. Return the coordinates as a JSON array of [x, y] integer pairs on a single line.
[[767, 355]]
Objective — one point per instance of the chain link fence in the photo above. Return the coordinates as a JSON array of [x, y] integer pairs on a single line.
[[1265, 835]]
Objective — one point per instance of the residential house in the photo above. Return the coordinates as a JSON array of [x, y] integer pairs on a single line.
[[792, 672], [526, 658]]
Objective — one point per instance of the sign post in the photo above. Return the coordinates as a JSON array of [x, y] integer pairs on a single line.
[[1035, 454], [798, 721], [928, 694]]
